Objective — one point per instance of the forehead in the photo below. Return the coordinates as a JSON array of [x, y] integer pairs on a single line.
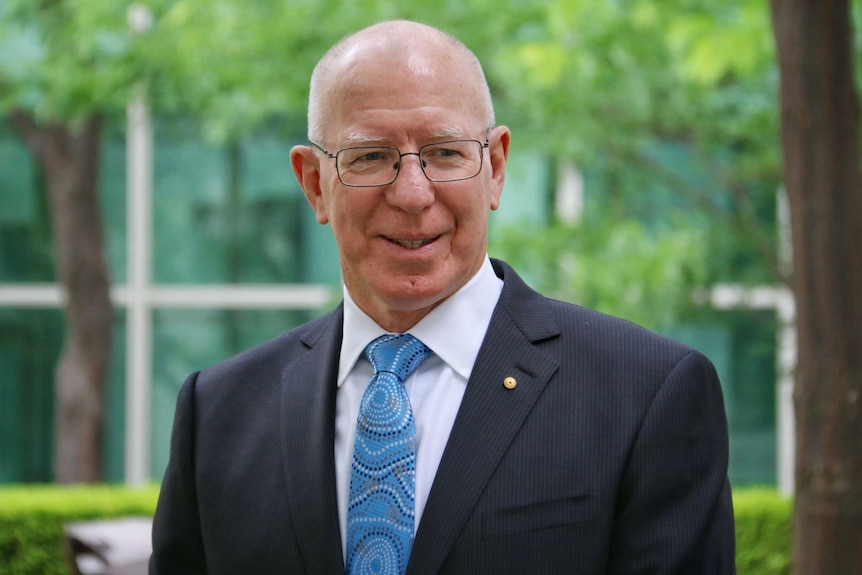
[[383, 88]]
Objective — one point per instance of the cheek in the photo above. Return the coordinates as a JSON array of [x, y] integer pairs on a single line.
[[471, 230], [476, 209], [347, 218], [333, 206]]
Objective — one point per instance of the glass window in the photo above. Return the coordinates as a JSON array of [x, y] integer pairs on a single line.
[[29, 343], [191, 340], [741, 344]]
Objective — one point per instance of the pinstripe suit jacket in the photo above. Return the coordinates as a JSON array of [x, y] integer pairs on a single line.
[[609, 456]]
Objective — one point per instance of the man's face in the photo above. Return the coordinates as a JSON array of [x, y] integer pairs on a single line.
[[406, 246]]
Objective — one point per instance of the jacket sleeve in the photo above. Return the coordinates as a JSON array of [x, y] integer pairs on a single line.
[[674, 515], [177, 541]]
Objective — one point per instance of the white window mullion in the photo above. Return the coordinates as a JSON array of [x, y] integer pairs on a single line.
[[730, 296], [139, 328]]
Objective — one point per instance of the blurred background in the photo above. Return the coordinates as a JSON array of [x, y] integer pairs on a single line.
[[644, 181]]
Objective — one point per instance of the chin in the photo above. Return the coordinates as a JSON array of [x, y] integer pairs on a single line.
[[414, 298]]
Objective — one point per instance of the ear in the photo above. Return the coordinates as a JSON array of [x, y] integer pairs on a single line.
[[306, 167], [498, 153]]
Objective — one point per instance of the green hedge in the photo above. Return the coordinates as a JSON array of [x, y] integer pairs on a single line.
[[32, 519], [763, 532]]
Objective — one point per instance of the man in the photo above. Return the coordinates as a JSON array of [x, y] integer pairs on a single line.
[[541, 437]]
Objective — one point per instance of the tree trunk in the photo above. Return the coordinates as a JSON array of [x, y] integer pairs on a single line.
[[820, 141], [69, 160]]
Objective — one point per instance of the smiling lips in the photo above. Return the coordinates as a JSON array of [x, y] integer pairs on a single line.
[[412, 244]]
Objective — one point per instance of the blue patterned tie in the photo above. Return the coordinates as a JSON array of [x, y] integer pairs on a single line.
[[380, 512]]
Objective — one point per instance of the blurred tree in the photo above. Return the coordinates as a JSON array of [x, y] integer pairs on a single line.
[[69, 67], [62, 70], [820, 144]]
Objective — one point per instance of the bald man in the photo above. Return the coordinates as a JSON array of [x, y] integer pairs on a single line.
[[539, 437]]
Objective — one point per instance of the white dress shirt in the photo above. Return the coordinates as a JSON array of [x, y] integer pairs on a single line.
[[454, 331]]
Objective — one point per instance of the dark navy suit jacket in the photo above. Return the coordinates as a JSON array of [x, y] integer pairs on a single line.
[[609, 456]]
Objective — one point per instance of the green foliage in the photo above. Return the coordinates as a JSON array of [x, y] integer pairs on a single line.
[[608, 85], [234, 65], [580, 78], [602, 84], [32, 519], [65, 61], [763, 532], [622, 269]]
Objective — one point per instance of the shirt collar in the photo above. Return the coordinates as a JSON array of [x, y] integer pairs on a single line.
[[466, 313]]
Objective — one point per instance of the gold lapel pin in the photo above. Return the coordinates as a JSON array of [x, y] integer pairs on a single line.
[[510, 383]]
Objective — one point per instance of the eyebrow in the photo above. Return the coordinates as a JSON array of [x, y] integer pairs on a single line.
[[451, 132], [361, 139]]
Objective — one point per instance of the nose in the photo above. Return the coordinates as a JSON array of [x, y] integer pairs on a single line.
[[411, 191]]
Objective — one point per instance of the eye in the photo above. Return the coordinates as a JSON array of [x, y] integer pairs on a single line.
[[372, 156], [366, 158], [444, 152]]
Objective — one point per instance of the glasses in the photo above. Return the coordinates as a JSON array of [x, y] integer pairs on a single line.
[[369, 166]]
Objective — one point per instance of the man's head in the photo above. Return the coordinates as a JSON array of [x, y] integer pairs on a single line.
[[407, 245]]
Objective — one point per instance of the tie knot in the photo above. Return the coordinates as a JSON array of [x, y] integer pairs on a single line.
[[399, 354]]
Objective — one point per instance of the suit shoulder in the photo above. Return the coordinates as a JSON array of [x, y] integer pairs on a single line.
[[621, 339]]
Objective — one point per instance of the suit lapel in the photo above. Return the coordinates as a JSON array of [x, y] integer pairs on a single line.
[[489, 417], [308, 435]]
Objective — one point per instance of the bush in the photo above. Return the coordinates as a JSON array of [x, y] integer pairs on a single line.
[[763, 532], [32, 519]]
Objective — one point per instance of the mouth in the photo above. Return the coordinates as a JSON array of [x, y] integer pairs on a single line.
[[411, 244]]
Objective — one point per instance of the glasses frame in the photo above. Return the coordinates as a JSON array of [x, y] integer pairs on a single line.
[[401, 154]]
